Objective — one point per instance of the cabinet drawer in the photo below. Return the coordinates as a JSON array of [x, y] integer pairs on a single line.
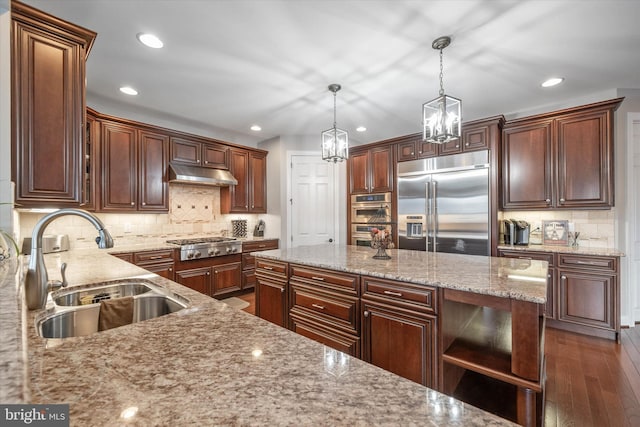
[[400, 293], [326, 278], [260, 245], [153, 256], [346, 343], [336, 309], [588, 262], [539, 256], [272, 268], [248, 262]]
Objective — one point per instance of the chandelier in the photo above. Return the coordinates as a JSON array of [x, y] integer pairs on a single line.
[[335, 142], [441, 117]]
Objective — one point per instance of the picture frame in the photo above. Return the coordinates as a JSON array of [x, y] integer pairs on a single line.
[[555, 232]]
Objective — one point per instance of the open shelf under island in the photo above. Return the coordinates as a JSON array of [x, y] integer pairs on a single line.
[[469, 326]]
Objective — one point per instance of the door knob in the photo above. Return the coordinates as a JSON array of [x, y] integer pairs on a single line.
[[330, 240]]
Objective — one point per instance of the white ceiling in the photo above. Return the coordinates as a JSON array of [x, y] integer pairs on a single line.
[[228, 64]]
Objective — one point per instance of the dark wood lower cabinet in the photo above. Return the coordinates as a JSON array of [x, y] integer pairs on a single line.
[[271, 300], [399, 341], [198, 279], [215, 277]]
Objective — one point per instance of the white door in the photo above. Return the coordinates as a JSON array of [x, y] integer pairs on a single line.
[[312, 201]]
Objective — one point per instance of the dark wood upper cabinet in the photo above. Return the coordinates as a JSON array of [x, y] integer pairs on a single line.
[[48, 108], [561, 160], [249, 195], [197, 153], [527, 166], [371, 171], [153, 165], [133, 169], [119, 189]]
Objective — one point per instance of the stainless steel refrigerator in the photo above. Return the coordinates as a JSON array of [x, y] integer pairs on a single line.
[[443, 204]]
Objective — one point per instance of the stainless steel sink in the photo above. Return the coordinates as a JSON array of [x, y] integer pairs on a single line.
[[76, 312], [94, 295]]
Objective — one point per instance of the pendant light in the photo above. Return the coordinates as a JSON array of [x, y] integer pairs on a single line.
[[442, 116], [335, 142]]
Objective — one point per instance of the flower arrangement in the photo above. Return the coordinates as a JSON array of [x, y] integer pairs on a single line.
[[381, 240]]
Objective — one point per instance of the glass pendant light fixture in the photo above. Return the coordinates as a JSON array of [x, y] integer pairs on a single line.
[[441, 117], [335, 142]]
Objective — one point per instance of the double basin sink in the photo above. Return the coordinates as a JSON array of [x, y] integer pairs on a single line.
[[75, 311]]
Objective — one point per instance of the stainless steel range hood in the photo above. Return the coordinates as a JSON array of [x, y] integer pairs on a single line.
[[198, 175]]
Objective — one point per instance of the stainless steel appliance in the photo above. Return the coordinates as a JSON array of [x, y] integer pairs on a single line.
[[368, 211], [443, 204], [207, 247], [364, 207], [515, 232], [361, 234]]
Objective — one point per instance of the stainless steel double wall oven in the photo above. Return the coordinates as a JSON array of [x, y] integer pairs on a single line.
[[368, 211]]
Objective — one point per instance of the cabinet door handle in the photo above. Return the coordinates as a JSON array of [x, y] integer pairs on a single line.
[[467, 144], [318, 278], [366, 313], [133, 203], [561, 200], [395, 294], [318, 306], [268, 268], [282, 290], [563, 277], [170, 269], [144, 204], [206, 162], [215, 271], [208, 273], [548, 200]]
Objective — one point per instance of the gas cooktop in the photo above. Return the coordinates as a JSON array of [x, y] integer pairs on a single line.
[[207, 247]]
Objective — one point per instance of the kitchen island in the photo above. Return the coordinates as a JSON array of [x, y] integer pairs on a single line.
[[207, 365], [469, 326]]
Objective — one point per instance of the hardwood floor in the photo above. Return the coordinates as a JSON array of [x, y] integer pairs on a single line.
[[591, 382], [251, 299]]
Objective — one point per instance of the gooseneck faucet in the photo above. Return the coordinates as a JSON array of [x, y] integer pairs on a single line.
[[36, 282]]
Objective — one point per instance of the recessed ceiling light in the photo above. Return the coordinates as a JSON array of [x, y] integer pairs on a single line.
[[552, 81], [150, 40], [128, 90], [256, 128], [361, 129]]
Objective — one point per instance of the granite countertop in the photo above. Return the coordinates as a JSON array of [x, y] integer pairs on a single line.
[[580, 250], [502, 277], [209, 364]]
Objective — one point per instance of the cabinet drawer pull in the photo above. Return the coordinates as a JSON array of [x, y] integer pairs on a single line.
[[262, 246], [318, 306], [156, 257], [282, 290], [525, 257], [587, 262], [318, 278], [395, 294], [267, 268], [366, 314]]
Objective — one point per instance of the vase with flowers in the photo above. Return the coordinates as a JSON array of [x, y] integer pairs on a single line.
[[381, 240]]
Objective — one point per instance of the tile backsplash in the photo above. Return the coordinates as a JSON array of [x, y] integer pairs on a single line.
[[193, 210], [596, 227]]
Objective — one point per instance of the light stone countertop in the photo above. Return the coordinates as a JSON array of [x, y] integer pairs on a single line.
[[580, 250], [208, 365], [502, 277]]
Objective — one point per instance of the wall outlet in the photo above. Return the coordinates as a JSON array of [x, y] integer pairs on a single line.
[[127, 227]]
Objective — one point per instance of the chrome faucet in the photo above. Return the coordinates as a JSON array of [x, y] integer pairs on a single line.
[[36, 282]]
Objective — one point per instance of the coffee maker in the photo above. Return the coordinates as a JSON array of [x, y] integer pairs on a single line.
[[516, 232]]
